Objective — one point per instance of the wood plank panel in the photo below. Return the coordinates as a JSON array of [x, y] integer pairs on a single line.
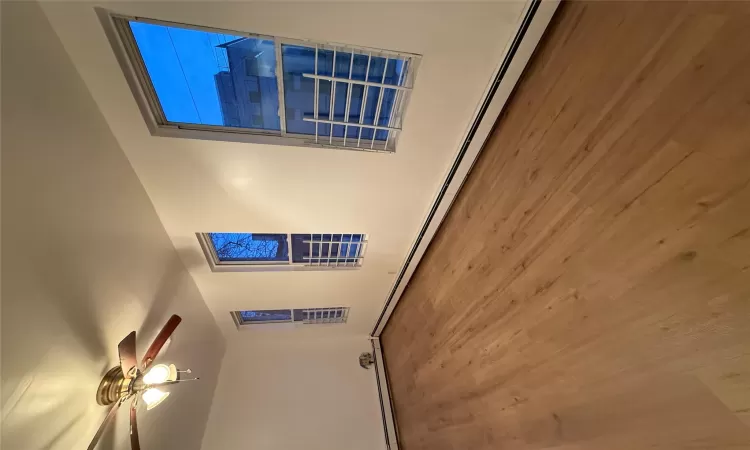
[[590, 288]]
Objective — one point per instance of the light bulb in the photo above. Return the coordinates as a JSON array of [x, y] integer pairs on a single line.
[[153, 397], [160, 373], [157, 374]]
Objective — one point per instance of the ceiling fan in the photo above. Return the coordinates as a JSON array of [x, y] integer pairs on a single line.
[[127, 381]]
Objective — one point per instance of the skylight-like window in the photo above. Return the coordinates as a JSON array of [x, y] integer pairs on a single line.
[[231, 251], [215, 84], [337, 314]]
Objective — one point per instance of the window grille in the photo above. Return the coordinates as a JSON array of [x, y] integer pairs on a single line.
[[280, 250]]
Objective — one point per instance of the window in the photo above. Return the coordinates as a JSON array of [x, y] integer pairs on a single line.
[[214, 84], [337, 314], [233, 251], [265, 316]]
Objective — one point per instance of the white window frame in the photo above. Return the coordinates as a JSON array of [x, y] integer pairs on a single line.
[[331, 261], [128, 55], [241, 324]]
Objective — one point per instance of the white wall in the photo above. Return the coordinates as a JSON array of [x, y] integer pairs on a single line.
[[200, 186], [295, 395], [85, 261]]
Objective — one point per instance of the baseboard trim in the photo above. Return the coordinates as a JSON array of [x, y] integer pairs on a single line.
[[384, 394], [534, 21]]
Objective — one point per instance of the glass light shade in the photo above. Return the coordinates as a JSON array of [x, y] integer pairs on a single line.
[[153, 397], [160, 373]]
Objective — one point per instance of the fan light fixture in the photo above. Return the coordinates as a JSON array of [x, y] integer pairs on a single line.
[[128, 381]]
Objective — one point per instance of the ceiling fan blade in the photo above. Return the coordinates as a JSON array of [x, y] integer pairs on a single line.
[[126, 349], [103, 426], [160, 340], [135, 444]]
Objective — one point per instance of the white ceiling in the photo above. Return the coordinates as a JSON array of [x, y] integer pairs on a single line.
[[201, 186]]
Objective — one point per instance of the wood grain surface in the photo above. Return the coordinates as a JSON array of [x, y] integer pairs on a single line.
[[590, 288]]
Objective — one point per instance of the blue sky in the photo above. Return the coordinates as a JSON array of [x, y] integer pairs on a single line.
[[182, 64], [242, 246]]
